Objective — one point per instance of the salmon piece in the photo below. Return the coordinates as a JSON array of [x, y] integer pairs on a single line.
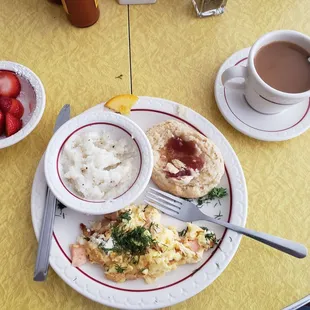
[[112, 216], [194, 245], [78, 255]]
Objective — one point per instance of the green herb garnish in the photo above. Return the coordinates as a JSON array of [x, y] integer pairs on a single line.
[[125, 216], [133, 242], [218, 216], [60, 206], [119, 269], [215, 193], [145, 207], [210, 236], [135, 259], [154, 226], [183, 232]]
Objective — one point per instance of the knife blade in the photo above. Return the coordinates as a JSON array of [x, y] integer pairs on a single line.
[[42, 262]]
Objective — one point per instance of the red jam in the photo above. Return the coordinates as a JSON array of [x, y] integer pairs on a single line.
[[186, 152], [176, 146]]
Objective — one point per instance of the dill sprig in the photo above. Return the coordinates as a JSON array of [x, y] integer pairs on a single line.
[[183, 232], [210, 236], [133, 242], [215, 193], [119, 269], [153, 226], [60, 206], [218, 216], [125, 216]]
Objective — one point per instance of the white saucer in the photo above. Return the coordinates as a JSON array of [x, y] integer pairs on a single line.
[[233, 106]]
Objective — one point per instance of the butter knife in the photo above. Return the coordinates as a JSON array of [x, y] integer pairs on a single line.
[[42, 262]]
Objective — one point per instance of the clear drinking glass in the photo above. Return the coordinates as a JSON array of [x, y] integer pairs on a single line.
[[206, 8]]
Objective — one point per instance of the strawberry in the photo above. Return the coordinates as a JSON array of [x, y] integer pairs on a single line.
[[2, 122], [9, 84], [5, 104], [12, 106], [12, 124], [17, 109]]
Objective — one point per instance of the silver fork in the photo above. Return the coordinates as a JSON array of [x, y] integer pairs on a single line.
[[186, 211]]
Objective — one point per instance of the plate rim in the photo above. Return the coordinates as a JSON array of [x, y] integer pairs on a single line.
[[219, 93], [182, 293]]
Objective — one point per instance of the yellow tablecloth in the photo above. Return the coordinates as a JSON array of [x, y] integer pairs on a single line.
[[174, 55]]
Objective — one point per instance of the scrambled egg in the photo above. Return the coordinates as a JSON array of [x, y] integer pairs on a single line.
[[133, 244]]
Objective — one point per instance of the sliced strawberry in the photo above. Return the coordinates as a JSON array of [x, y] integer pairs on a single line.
[[5, 104], [12, 124], [17, 109], [2, 122], [9, 84]]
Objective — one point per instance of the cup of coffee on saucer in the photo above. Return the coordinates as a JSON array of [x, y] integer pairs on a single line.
[[263, 91], [277, 75]]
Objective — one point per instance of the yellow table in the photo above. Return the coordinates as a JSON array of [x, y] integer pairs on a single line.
[[174, 55]]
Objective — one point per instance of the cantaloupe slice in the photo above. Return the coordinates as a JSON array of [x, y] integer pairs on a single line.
[[122, 103]]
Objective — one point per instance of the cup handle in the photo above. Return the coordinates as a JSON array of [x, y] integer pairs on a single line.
[[235, 72]]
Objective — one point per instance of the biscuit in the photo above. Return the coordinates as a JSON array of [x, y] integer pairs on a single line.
[[186, 163]]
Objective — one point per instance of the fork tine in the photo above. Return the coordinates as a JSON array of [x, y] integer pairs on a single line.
[[162, 209], [172, 203], [177, 199], [164, 204]]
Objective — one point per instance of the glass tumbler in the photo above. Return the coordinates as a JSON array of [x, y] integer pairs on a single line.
[[205, 8]]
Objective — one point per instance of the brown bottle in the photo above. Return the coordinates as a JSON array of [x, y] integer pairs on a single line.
[[82, 13]]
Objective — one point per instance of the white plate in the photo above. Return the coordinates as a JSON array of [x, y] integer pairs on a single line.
[[118, 127], [32, 97], [233, 106], [176, 286]]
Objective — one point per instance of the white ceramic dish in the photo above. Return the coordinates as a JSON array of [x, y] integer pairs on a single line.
[[32, 96], [176, 286], [116, 126], [239, 114]]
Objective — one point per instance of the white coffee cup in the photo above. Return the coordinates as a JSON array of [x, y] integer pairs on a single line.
[[259, 95]]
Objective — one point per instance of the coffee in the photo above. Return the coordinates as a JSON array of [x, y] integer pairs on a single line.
[[284, 66]]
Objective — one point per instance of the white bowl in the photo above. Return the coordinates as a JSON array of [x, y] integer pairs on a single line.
[[32, 97], [116, 126]]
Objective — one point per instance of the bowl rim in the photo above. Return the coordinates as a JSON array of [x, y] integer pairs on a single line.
[[96, 207], [37, 114]]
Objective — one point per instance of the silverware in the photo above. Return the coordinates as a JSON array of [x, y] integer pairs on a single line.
[[188, 212], [42, 262], [299, 304]]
